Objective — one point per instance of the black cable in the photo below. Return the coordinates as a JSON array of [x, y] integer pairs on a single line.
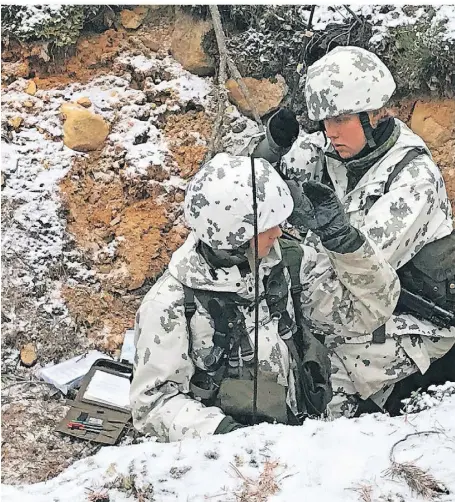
[[256, 293]]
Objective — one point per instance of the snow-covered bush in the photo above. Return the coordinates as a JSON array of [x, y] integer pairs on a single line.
[[421, 57], [420, 401], [59, 24], [416, 42]]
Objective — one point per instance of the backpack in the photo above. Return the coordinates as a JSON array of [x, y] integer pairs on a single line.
[[313, 387], [431, 272]]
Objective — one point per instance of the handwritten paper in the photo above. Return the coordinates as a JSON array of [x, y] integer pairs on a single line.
[[69, 374], [107, 388]]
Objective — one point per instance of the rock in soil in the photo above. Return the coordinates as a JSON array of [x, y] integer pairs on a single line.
[[29, 355]]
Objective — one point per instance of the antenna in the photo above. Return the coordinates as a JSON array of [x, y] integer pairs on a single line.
[[256, 293]]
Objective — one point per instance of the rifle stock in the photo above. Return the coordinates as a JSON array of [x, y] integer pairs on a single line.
[[410, 303]]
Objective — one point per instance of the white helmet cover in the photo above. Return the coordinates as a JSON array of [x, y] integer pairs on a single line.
[[345, 81], [219, 201]]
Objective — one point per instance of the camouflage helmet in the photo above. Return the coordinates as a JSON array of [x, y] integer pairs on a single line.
[[345, 81], [219, 201]]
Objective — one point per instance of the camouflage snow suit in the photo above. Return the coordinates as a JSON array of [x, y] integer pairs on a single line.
[[415, 211], [356, 290]]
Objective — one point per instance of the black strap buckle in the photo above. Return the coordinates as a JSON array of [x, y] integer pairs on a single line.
[[296, 289], [379, 334], [190, 309], [190, 304], [301, 416]]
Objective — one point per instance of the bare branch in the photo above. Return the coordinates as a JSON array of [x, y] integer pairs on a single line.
[[421, 433], [220, 90]]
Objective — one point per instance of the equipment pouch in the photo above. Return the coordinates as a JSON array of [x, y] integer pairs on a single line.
[[315, 377], [235, 398]]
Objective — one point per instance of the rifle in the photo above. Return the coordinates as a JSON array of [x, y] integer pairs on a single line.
[[411, 303]]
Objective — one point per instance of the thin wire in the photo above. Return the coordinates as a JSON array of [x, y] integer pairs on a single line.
[[256, 293]]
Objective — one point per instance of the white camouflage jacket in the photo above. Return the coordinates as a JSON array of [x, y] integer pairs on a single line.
[[361, 295], [415, 211]]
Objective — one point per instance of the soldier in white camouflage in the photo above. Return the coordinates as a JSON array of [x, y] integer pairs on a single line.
[[348, 284], [347, 91]]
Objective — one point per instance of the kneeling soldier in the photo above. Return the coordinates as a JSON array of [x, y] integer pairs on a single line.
[[193, 372]]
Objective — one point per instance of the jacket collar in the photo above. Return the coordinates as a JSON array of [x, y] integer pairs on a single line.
[[191, 269], [373, 181]]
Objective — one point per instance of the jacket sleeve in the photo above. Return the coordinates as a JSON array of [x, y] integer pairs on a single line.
[[163, 368], [262, 146], [411, 214], [305, 160], [358, 290]]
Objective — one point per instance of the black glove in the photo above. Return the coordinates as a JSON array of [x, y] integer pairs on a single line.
[[228, 424], [283, 128], [316, 207]]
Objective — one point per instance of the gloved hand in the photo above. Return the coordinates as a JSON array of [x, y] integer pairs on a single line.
[[316, 207], [283, 128], [228, 424]]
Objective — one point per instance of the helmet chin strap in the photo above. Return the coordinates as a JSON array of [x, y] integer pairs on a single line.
[[367, 129], [322, 129], [366, 126]]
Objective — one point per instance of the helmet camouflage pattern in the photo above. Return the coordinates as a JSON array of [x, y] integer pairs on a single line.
[[345, 81], [219, 201]]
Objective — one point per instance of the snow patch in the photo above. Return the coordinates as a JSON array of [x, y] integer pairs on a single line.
[[323, 461], [384, 17]]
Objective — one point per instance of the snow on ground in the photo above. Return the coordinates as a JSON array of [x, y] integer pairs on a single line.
[[323, 461], [32, 231]]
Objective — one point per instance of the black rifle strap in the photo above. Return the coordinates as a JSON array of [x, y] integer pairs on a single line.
[[379, 334], [292, 255], [190, 309], [410, 156], [189, 303]]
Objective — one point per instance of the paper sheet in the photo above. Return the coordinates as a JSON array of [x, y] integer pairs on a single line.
[[107, 388], [69, 374], [128, 348]]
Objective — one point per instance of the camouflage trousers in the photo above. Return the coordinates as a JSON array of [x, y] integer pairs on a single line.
[[361, 371], [367, 370]]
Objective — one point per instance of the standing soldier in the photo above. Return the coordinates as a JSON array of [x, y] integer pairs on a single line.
[[392, 190]]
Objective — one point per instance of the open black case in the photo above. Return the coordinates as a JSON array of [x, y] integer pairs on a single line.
[[114, 418]]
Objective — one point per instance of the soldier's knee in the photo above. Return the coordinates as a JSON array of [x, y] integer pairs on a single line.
[[343, 405]]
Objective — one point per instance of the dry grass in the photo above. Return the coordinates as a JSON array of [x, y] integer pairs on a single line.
[[129, 485], [98, 495], [364, 491], [258, 490]]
